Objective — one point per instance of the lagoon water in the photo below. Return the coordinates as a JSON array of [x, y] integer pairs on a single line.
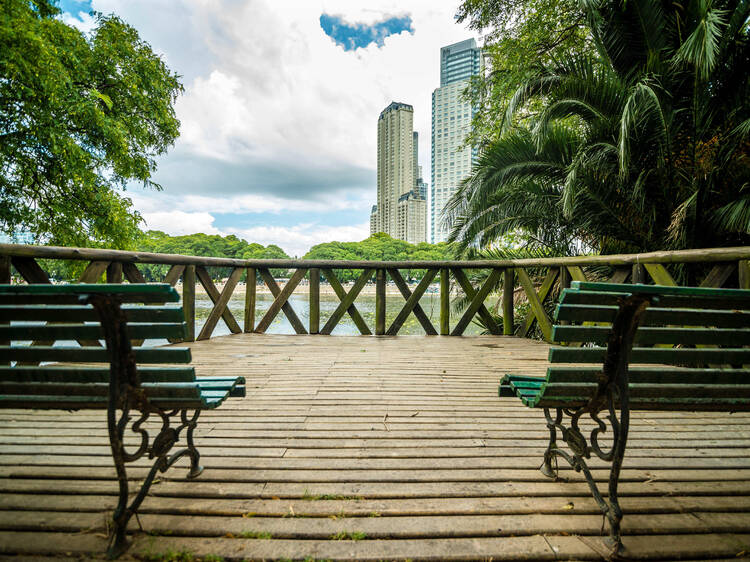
[[365, 304]]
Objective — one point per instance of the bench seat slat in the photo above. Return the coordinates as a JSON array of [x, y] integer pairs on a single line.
[[698, 357], [638, 390], [54, 373], [667, 375], [208, 400], [86, 313], [649, 335], [739, 296], [29, 332], [156, 390], [91, 354], [70, 294], [654, 316], [602, 298]]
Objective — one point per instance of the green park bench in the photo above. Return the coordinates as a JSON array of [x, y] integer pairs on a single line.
[[138, 382], [635, 347]]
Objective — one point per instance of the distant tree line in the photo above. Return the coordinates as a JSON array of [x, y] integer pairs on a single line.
[[206, 245], [379, 247]]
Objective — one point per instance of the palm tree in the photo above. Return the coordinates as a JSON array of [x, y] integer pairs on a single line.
[[644, 145]]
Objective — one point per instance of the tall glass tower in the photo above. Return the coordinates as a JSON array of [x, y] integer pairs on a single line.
[[451, 123]]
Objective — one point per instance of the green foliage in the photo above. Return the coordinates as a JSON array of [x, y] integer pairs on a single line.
[[520, 35], [255, 535], [643, 146], [80, 117], [349, 535], [379, 247], [207, 245]]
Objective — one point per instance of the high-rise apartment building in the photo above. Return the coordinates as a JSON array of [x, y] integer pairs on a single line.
[[451, 122], [398, 203]]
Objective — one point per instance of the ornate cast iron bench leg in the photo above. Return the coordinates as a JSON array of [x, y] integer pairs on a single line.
[[159, 449], [581, 449], [126, 394], [613, 397]]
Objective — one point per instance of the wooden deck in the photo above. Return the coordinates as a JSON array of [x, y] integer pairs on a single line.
[[376, 449]]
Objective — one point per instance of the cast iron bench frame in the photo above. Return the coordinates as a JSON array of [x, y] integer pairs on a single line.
[[64, 312], [718, 378]]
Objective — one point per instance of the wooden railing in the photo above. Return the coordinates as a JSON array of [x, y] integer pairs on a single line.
[[538, 279]]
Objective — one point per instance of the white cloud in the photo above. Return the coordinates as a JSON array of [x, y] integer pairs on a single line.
[[272, 85], [276, 117], [297, 240], [82, 21], [157, 202], [177, 223]]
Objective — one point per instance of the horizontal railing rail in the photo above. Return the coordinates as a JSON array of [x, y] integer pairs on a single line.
[[538, 280]]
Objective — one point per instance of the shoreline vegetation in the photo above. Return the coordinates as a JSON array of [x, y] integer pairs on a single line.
[[303, 288]]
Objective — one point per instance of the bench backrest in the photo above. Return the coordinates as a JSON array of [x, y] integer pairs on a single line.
[[698, 337], [35, 371]]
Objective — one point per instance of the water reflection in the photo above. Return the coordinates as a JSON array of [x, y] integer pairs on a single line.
[[365, 305]]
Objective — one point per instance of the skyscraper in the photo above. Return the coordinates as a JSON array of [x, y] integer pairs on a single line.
[[398, 203], [451, 122]]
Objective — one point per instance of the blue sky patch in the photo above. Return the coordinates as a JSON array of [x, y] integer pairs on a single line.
[[74, 7], [351, 36]]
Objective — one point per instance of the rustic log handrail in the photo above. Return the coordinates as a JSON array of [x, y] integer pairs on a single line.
[[728, 266], [123, 256]]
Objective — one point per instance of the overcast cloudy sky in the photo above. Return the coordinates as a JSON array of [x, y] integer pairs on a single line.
[[279, 114]]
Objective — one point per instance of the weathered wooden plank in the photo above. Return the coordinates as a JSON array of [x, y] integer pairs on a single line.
[[659, 274], [213, 293], [638, 275], [380, 279], [188, 301], [477, 301], [620, 275], [5, 270], [220, 305], [544, 292], [412, 302], [174, 274], [508, 294], [667, 256], [5, 267], [468, 289], [132, 273], [30, 270], [743, 269], [536, 303], [445, 302], [349, 300], [114, 272], [314, 300], [281, 298], [719, 275], [250, 298], [576, 273]]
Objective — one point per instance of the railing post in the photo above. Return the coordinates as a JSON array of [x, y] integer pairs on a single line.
[[250, 288], [564, 284], [564, 278], [508, 286], [188, 300], [743, 268], [5, 280], [380, 302], [5, 270], [445, 302], [638, 275], [314, 300], [114, 272]]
